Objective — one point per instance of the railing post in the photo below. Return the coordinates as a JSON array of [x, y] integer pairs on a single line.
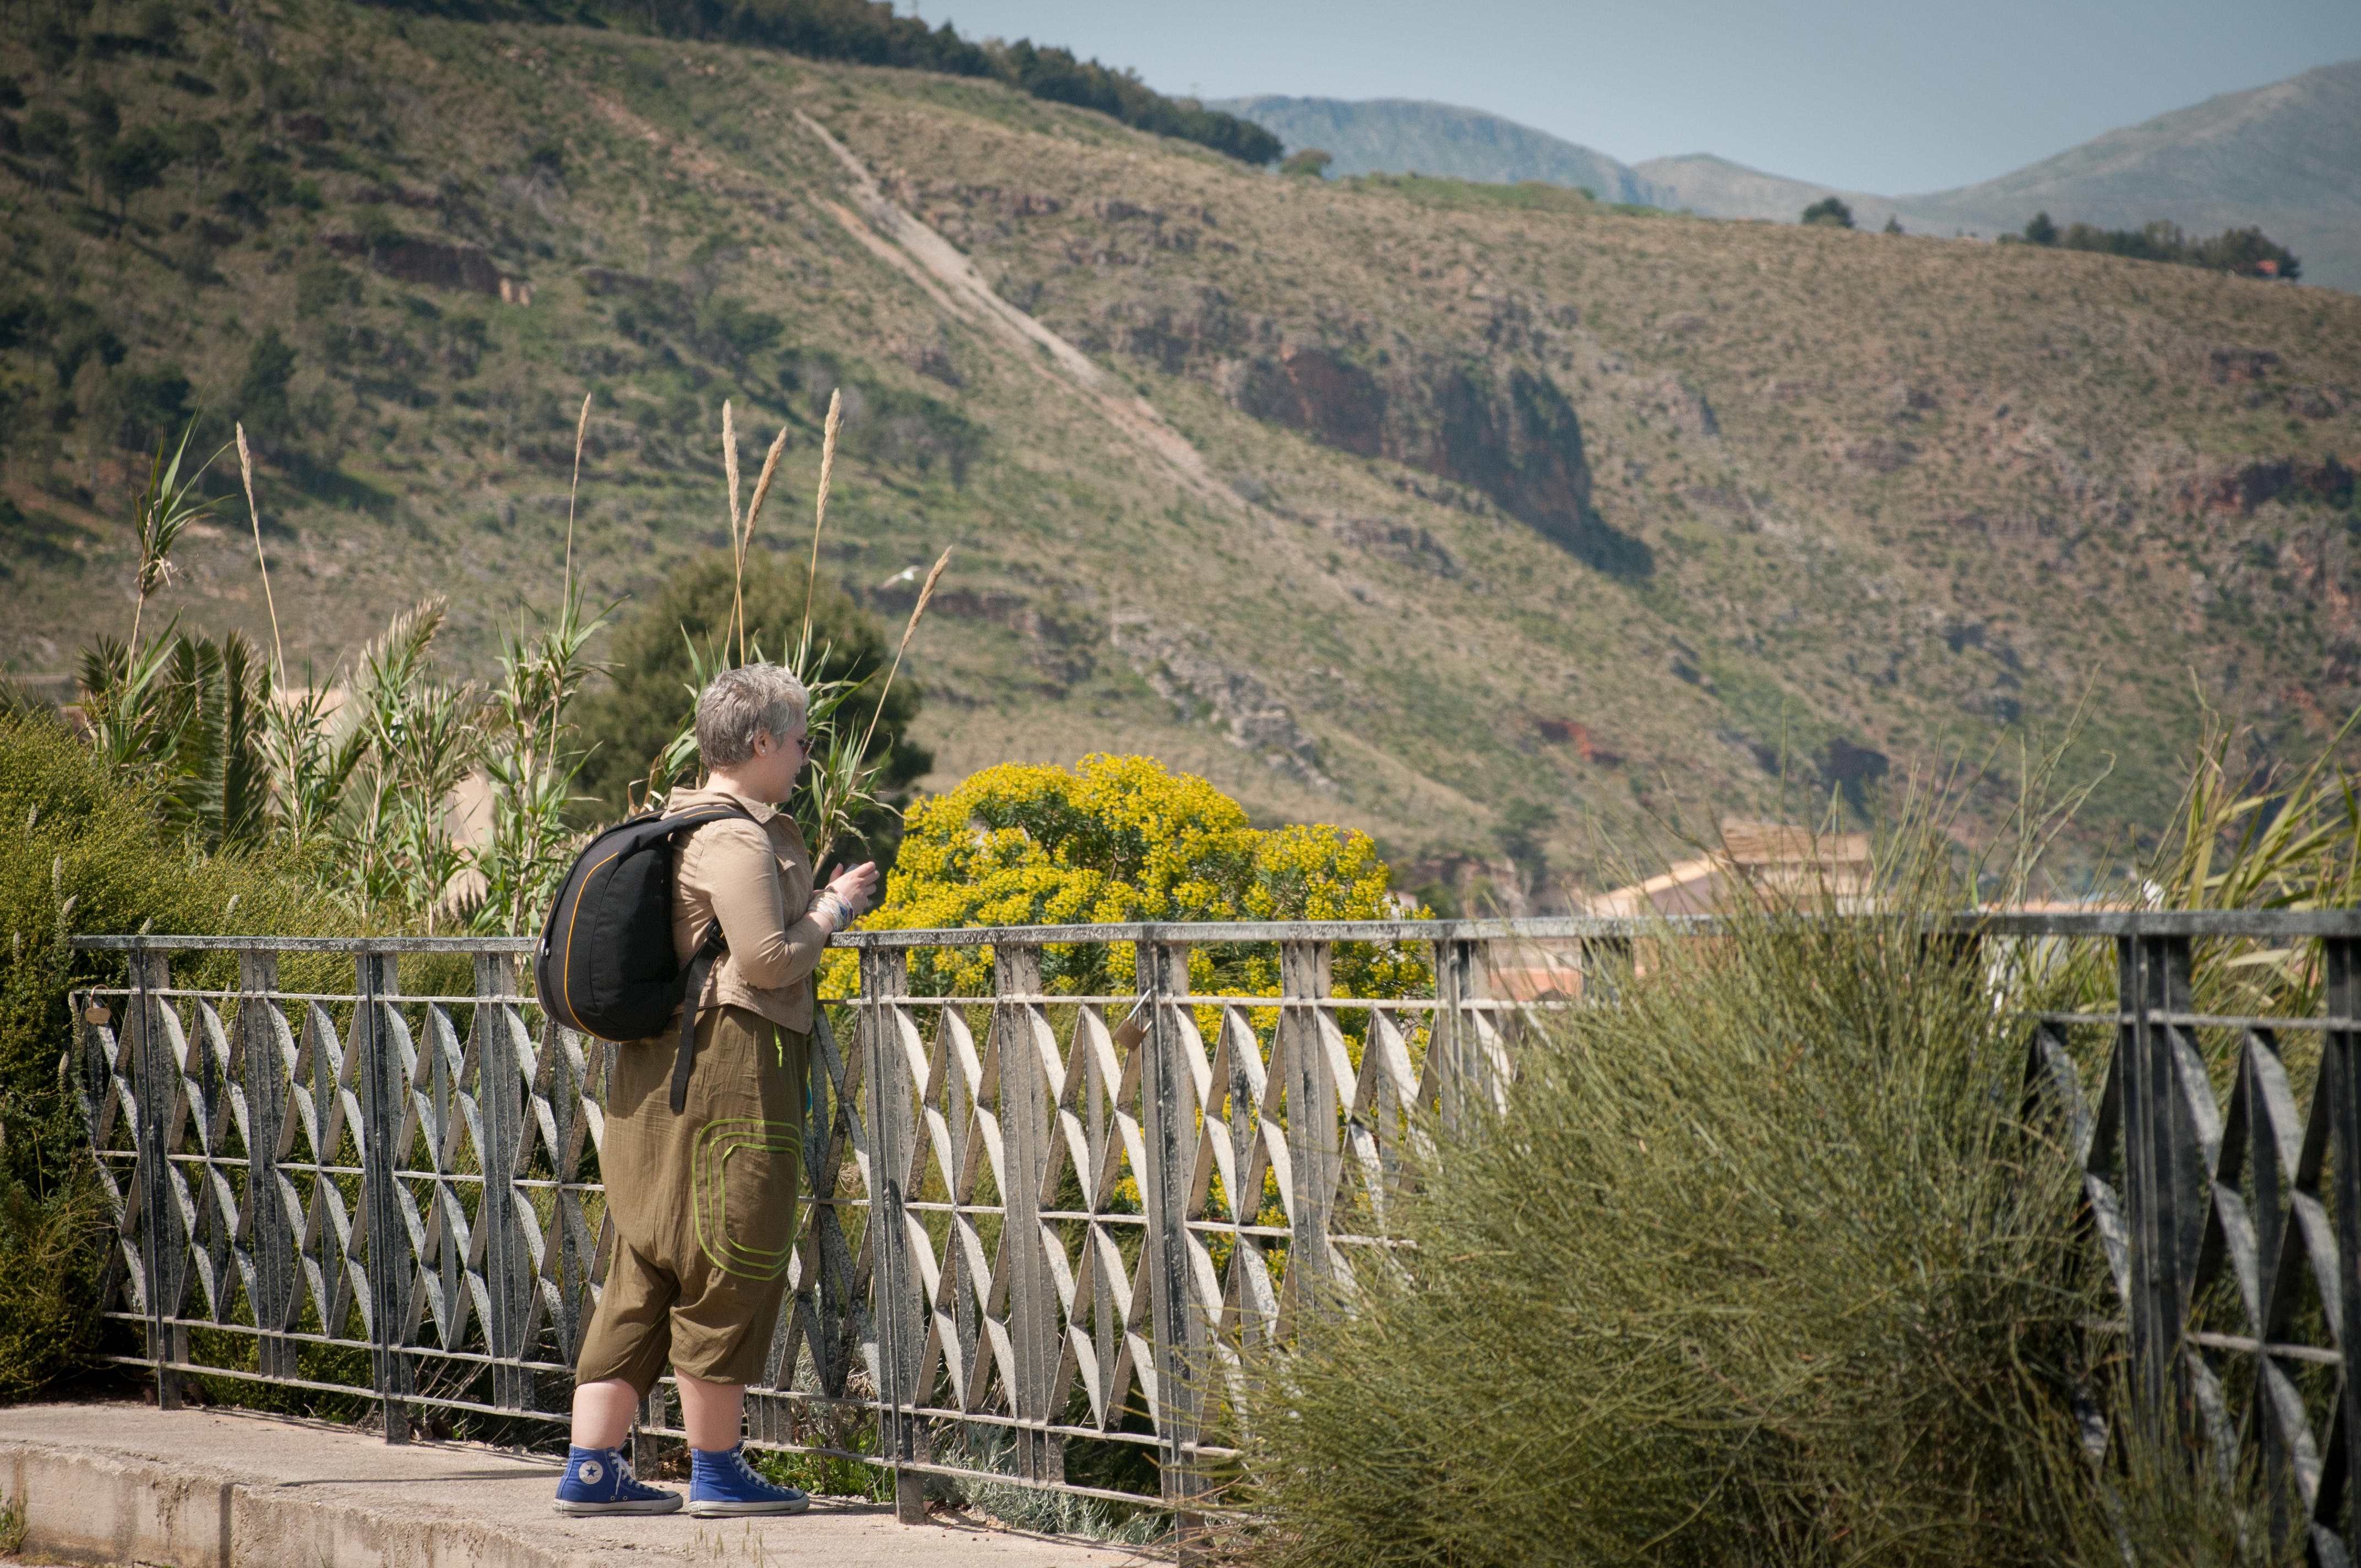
[[2161, 1179], [379, 1082], [1032, 1291], [267, 1088], [1442, 1029], [1315, 1156], [1605, 963], [508, 1266], [1169, 1088], [899, 1313], [564, 1082], [2340, 1076], [1098, 1099], [158, 1086], [2271, 1180], [1465, 1077]]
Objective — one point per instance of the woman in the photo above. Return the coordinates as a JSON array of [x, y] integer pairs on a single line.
[[704, 1200]]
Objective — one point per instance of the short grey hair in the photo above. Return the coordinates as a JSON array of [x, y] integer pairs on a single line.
[[738, 705]]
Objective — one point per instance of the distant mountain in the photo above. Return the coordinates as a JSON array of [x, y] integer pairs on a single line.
[[1402, 136], [2286, 157], [1717, 187]]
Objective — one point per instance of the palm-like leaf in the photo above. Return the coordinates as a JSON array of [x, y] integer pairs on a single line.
[[2259, 840], [167, 506], [530, 764]]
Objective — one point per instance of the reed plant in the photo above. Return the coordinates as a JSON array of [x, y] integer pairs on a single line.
[[2252, 831], [361, 782], [354, 773], [840, 785]]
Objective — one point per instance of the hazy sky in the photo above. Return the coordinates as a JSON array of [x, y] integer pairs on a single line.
[[1891, 96]]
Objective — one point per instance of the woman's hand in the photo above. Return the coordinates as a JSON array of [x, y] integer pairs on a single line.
[[855, 888]]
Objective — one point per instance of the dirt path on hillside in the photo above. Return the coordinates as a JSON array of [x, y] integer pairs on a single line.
[[898, 237]]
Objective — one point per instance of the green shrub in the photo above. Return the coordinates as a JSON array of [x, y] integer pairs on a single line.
[[1759, 1266], [628, 722], [51, 1235], [82, 855]]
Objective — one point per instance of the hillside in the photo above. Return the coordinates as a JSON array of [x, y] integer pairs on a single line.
[[1395, 503], [1398, 135]]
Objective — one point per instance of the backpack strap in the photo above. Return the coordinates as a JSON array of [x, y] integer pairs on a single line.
[[700, 966]]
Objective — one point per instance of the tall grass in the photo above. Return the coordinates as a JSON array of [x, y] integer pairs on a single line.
[[1760, 1266]]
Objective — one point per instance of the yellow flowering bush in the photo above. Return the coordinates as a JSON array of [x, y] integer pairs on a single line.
[[1124, 839]]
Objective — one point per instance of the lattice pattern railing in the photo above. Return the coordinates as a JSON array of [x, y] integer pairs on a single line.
[[1037, 1217], [2225, 1201], [364, 1184]]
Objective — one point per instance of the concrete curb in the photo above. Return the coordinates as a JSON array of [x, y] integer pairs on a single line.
[[108, 1506], [215, 1488]]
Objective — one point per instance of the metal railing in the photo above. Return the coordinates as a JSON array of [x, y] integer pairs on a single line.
[[1043, 1229]]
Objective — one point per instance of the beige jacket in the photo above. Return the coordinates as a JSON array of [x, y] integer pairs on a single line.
[[756, 878]]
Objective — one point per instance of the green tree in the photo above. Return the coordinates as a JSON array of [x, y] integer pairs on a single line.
[[629, 721], [155, 403], [47, 136], [1829, 212], [1311, 163], [262, 391], [2247, 251], [133, 162], [102, 118], [1524, 838], [1893, 224], [2039, 230]]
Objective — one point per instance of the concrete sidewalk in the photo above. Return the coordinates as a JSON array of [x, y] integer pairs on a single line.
[[211, 1488]]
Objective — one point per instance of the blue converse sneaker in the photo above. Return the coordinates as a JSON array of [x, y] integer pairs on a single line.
[[599, 1481], [721, 1484]]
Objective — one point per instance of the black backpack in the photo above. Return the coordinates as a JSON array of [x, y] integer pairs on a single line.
[[605, 966]]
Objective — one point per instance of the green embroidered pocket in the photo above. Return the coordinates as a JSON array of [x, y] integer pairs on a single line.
[[744, 1211]]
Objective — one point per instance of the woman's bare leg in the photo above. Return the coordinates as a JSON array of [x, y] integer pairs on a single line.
[[602, 1412], [714, 1413]]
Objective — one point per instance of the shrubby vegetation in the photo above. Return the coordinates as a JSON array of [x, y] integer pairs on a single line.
[[1122, 839], [2247, 251], [86, 853], [1829, 212], [1767, 1261], [359, 766], [1758, 1267], [867, 32], [655, 653]]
